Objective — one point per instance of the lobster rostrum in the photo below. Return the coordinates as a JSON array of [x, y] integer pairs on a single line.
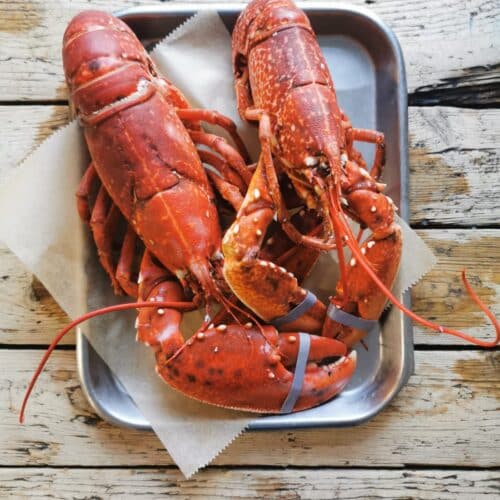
[[143, 138], [282, 81]]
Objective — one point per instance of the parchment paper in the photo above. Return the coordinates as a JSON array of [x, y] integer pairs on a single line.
[[41, 226]]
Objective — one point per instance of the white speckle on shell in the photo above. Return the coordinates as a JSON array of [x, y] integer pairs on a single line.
[[258, 232], [373, 209], [370, 244], [236, 229], [256, 193], [310, 161], [352, 262], [222, 328], [200, 336], [161, 312]]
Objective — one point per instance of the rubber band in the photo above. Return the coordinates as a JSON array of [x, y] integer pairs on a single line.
[[344, 318], [299, 374], [296, 312]]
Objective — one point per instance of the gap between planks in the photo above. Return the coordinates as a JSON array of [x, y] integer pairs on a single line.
[[445, 46]]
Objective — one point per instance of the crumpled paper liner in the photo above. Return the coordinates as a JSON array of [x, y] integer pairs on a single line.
[[43, 229]]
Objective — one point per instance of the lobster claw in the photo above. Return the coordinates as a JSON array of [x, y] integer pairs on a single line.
[[245, 368]]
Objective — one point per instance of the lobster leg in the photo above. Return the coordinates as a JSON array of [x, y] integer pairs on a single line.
[[159, 328], [83, 193], [229, 186], [103, 223], [125, 263], [216, 118], [219, 145], [376, 138]]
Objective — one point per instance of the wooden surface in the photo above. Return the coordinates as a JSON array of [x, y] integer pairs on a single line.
[[438, 439]]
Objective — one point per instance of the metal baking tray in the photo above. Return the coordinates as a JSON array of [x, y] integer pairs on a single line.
[[368, 70]]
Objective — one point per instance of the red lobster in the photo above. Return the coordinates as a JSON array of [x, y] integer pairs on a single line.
[[282, 81], [141, 136]]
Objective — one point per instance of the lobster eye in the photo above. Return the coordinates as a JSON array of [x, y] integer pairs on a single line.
[[323, 169]]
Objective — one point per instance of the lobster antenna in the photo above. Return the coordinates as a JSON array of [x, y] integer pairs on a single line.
[[185, 306], [228, 304], [415, 317]]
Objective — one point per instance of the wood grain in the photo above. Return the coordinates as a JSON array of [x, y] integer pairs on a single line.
[[454, 166], [28, 314], [446, 44], [447, 415], [248, 483]]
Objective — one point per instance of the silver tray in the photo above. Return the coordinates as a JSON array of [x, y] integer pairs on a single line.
[[368, 70]]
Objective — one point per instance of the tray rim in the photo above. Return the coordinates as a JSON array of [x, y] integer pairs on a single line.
[[184, 8]]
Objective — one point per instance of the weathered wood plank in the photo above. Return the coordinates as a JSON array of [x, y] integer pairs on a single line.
[[441, 297], [28, 315], [446, 44], [447, 415], [454, 166], [454, 158], [248, 483]]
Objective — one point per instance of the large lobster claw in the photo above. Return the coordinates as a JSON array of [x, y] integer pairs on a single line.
[[245, 368]]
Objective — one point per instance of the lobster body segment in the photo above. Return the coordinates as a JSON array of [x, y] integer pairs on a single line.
[[282, 81], [140, 148]]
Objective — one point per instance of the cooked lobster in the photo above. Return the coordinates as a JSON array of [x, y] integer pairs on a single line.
[[282, 81], [143, 139]]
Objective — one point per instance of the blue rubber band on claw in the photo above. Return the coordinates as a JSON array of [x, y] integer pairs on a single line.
[[299, 374], [296, 312], [347, 319]]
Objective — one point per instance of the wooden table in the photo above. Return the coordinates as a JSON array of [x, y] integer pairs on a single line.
[[440, 437]]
